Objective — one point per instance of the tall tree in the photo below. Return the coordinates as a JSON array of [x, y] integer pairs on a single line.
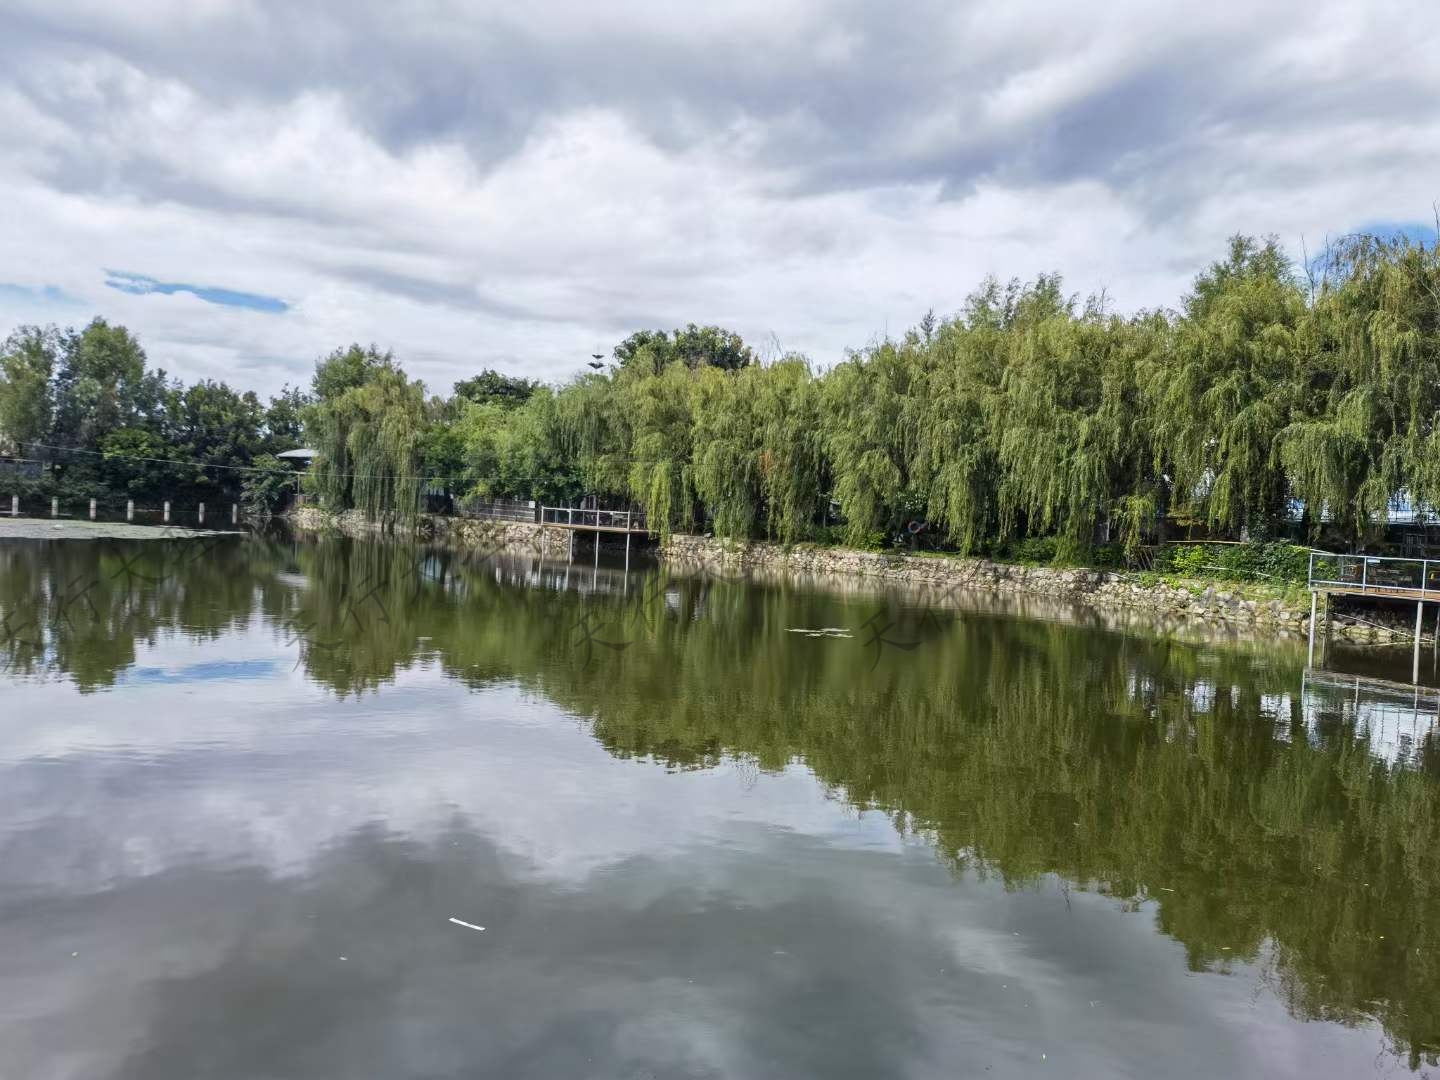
[[509, 391], [368, 443], [284, 423], [695, 347], [28, 359], [98, 386], [348, 368]]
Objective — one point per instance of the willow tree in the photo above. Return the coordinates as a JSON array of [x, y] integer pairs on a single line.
[[660, 475], [866, 439], [950, 409], [1055, 443], [594, 430], [787, 415], [1368, 430], [1230, 388], [726, 468], [367, 445]]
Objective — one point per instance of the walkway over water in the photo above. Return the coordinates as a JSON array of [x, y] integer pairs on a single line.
[[1375, 577], [613, 521], [1369, 575]]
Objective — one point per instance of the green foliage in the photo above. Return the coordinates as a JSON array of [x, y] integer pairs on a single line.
[[727, 471], [660, 476], [368, 440], [1031, 551], [137, 463], [1274, 563], [284, 425], [508, 391], [347, 369], [265, 488], [27, 365], [1265, 397], [100, 385], [651, 351]]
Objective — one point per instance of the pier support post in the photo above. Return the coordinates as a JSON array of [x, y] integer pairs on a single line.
[[129, 509], [54, 507], [627, 547], [1419, 615], [1314, 605], [167, 511], [597, 549], [92, 509], [234, 513], [202, 513], [14, 506]]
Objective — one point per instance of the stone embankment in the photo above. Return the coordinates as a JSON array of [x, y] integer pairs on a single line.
[[1214, 603], [1208, 601], [455, 531]]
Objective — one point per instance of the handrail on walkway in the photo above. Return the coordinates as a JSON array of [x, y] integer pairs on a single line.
[[575, 518], [1380, 575]]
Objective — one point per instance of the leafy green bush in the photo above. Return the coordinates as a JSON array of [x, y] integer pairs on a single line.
[[1035, 549], [266, 486], [1107, 556], [1274, 563]]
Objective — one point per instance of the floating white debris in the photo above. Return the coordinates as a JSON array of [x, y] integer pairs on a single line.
[[824, 631], [467, 925]]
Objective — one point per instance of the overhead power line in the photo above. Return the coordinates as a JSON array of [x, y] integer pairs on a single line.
[[191, 463]]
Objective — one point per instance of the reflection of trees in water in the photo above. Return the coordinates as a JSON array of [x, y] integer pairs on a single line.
[[78, 608], [1262, 828]]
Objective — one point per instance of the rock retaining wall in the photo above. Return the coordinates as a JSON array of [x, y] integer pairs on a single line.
[[460, 532], [1208, 601]]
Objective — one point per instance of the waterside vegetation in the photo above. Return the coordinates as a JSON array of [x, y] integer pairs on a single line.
[[1277, 400]]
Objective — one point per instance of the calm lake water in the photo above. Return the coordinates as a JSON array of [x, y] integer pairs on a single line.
[[245, 788]]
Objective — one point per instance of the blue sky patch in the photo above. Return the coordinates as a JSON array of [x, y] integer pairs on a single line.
[[141, 285], [35, 294], [1413, 231], [207, 672]]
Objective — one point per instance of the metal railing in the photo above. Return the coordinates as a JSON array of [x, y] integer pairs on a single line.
[[1374, 574], [517, 510], [627, 520]]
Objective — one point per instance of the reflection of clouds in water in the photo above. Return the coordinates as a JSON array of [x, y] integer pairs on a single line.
[[156, 773], [247, 809], [755, 953]]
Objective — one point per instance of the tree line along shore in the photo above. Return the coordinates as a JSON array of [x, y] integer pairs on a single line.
[[1276, 401]]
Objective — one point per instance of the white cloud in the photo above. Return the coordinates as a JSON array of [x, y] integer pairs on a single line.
[[518, 190]]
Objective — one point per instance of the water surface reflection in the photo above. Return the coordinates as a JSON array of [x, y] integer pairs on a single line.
[[712, 852]]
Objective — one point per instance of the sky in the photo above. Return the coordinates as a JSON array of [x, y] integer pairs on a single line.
[[248, 184]]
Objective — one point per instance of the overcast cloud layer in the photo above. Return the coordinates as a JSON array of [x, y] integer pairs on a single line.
[[249, 183]]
